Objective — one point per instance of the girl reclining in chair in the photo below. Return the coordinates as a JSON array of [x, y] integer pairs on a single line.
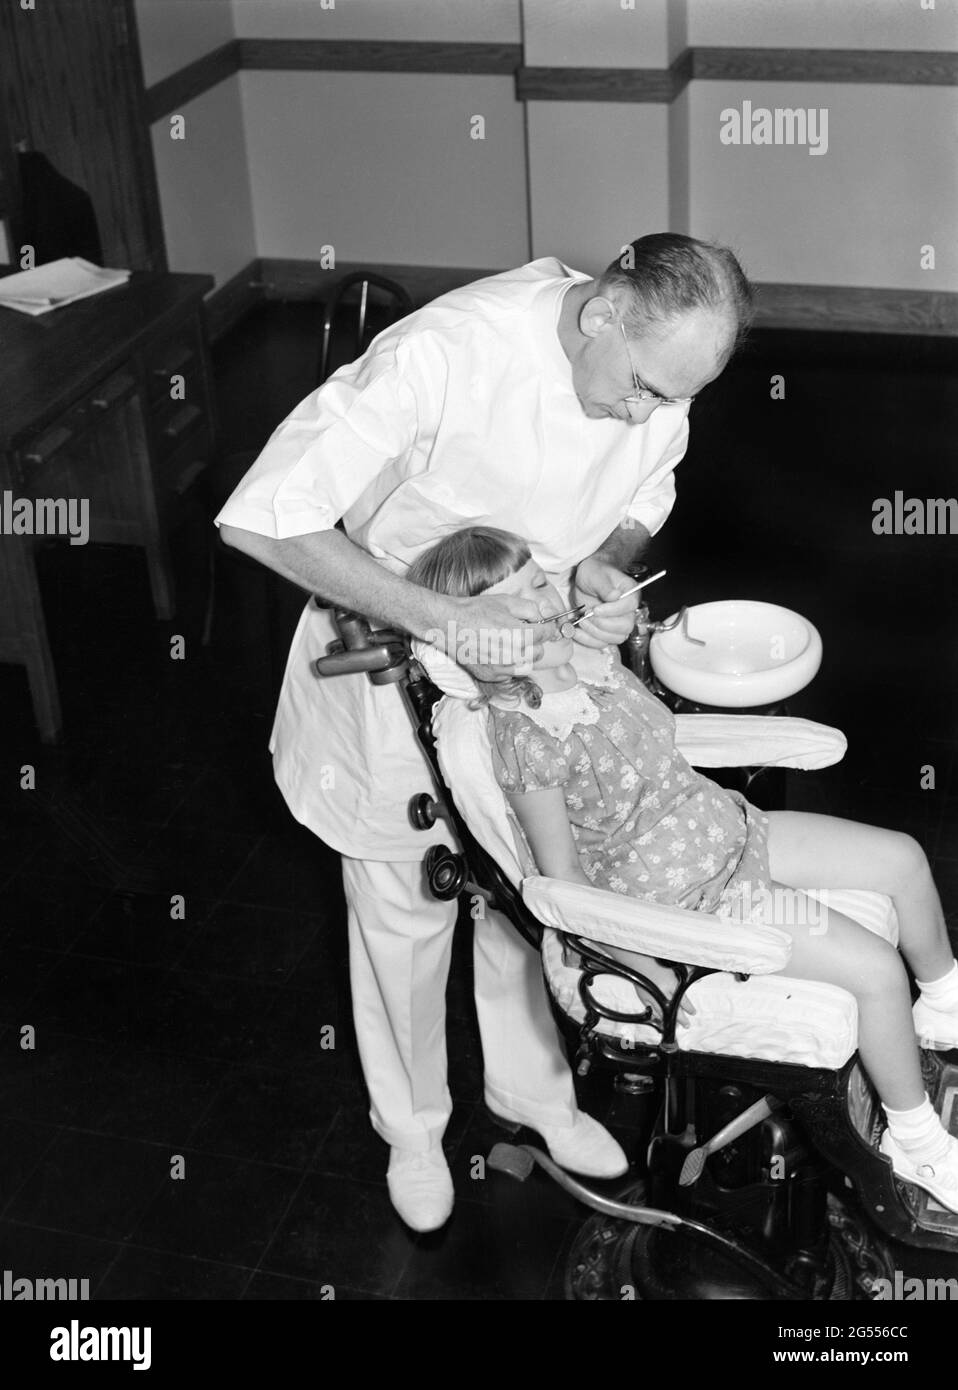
[[604, 798]]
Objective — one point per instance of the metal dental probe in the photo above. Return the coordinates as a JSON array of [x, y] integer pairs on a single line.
[[568, 618]]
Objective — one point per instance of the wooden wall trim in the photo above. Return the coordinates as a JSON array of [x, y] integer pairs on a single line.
[[853, 65], [149, 183], [898, 67], [193, 80], [895, 66], [605, 84], [681, 72], [346, 55], [594, 84]]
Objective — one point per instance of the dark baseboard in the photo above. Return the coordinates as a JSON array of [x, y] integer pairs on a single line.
[[232, 301], [289, 279], [812, 308], [839, 308]]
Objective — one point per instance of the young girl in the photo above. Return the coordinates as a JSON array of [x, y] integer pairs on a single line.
[[590, 767]]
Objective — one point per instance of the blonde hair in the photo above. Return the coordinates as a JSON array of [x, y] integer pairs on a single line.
[[463, 565]]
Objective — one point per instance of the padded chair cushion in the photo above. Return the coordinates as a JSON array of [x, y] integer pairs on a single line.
[[757, 740], [697, 938], [767, 1017], [465, 759], [451, 678]]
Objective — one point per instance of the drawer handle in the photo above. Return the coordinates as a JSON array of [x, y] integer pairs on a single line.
[[167, 368], [182, 421], [112, 392], [48, 444]]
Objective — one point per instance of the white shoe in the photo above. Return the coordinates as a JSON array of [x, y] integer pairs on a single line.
[[420, 1187], [940, 1179], [585, 1147], [936, 1031]]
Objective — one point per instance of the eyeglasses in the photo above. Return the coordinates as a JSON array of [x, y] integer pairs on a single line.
[[643, 397]]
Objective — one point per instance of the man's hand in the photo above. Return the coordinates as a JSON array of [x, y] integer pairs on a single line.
[[494, 635], [598, 581]]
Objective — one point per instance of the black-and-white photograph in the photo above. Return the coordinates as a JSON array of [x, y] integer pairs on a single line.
[[478, 525]]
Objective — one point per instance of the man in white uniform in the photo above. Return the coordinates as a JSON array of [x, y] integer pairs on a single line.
[[542, 402]]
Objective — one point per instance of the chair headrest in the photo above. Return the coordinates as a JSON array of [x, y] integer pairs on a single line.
[[451, 678]]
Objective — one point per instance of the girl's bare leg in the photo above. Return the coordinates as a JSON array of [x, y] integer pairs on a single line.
[[811, 851], [840, 952]]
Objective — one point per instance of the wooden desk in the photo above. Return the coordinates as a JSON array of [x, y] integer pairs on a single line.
[[89, 409]]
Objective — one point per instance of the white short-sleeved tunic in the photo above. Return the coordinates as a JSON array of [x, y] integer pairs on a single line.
[[463, 413]]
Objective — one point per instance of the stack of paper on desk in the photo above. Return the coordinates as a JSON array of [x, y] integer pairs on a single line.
[[57, 283]]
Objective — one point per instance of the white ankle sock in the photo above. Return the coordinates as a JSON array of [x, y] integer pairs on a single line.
[[942, 994], [919, 1132]]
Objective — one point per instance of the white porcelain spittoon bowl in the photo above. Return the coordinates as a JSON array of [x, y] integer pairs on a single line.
[[754, 654]]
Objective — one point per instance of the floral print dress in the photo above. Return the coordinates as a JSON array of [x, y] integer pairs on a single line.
[[644, 822]]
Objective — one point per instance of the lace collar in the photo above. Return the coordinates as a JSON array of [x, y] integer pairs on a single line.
[[596, 666], [562, 710]]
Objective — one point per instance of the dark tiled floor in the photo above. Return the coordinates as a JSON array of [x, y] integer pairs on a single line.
[[196, 1033]]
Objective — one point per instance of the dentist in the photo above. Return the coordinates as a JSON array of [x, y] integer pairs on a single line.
[[543, 402]]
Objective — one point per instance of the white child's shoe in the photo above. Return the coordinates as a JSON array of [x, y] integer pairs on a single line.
[[420, 1187], [940, 1179], [936, 1030]]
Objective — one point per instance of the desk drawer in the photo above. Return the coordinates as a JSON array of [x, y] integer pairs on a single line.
[[177, 356], [184, 464], [173, 425], [83, 416]]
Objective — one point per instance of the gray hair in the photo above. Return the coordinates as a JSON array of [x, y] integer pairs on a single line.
[[667, 274]]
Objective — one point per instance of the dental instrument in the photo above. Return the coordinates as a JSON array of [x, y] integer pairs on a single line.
[[579, 613]]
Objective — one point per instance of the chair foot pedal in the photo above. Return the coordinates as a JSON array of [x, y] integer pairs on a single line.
[[511, 1159]]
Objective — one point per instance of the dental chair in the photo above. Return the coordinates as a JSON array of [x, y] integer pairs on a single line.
[[763, 1175], [397, 305]]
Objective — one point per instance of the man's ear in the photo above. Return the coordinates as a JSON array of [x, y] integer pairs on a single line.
[[595, 315]]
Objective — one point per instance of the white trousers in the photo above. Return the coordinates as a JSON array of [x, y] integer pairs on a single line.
[[400, 943]]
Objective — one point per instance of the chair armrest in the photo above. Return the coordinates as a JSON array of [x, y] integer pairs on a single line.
[[668, 933], [757, 740]]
